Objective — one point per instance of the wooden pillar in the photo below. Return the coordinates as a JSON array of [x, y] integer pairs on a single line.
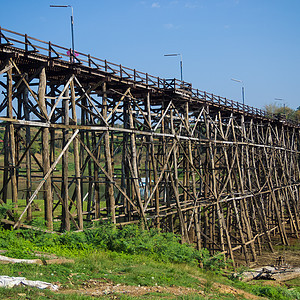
[[153, 162], [28, 156], [65, 182], [96, 188], [45, 152], [76, 162], [134, 167], [6, 164], [88, 120], [125, 182], [174, 181], [11, 135], [109, 188]]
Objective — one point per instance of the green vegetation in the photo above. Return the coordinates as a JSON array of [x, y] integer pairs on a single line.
[[129, 256], [283, 111]]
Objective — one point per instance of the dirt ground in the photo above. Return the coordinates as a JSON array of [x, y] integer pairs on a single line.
[[288, 255], [98, 288]]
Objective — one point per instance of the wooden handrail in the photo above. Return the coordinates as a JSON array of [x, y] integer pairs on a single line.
[[53, 51]]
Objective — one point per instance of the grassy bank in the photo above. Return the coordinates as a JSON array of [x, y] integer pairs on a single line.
[[111, 263]]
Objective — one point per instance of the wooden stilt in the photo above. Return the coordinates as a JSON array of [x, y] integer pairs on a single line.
[[109, 168], [77, 163], [11, 135], [66, 226]]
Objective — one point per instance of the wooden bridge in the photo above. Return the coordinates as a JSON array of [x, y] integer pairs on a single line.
[[86, 140]]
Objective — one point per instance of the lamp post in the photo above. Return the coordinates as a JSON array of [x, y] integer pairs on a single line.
[[177, 54], [243, 89], [280, 99], [72, 28]]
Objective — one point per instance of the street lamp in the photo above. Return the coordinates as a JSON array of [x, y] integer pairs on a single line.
[[280, 99], [72, 28], [243, 89], [177, 54]]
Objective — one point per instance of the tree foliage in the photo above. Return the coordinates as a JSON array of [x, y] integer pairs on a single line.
[[283, 111]]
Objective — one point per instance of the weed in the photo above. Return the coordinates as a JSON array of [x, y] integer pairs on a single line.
[[276, 293], [4, 208]]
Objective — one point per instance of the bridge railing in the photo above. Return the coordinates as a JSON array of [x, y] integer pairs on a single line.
[[209, 97], [54, 52]]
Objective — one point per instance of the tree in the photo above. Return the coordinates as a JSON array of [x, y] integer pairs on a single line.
[[283, 111]]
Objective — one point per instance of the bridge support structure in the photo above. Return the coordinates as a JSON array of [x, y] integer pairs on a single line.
[[86, 145]]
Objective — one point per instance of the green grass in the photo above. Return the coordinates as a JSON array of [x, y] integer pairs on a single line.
[[128, 256]]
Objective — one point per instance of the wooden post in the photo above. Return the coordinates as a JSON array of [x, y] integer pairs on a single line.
[[109, 188], [134, 165], [153, 161], [66, 226], [125, 182], [13, 171], [76, 162], [45, 152], [183, 227], [28, 156]]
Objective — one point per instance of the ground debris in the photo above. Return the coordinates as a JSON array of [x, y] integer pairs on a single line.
[[10, 282], [104, 286], [279, 273], [7, 260]]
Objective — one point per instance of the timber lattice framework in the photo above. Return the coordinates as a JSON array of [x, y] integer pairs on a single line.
[[87, 140]]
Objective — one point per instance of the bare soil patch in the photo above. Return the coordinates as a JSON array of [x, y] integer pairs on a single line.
[[97, 288]]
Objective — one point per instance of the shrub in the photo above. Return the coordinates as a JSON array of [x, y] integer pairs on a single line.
[[276, 293], [130, 239]]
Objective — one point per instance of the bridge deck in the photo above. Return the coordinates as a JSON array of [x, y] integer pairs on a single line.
[[88, 68]]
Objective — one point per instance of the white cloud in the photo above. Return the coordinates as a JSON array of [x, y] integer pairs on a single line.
[[169, 26], [155, 5], [191, 5]]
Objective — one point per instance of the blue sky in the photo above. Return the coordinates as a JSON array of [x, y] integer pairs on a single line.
[[256, 41]]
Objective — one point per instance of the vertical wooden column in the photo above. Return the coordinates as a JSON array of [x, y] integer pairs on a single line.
[[186, 164], [82, 151], [45, 152], [52, 130], [206, 224], [28, 156], [243, 210], [76, 162], [251, 181], [65, 159], [174, 181], [192, 157], [11, 135], [96, 188], [88, 120], [134, 165], [197, 222], [221, 221], [125, 182], [273, 198], [109, 188], [111, 146], [153, 162], [6, 164]]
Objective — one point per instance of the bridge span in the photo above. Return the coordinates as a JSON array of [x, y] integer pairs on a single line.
[[86, 140]]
